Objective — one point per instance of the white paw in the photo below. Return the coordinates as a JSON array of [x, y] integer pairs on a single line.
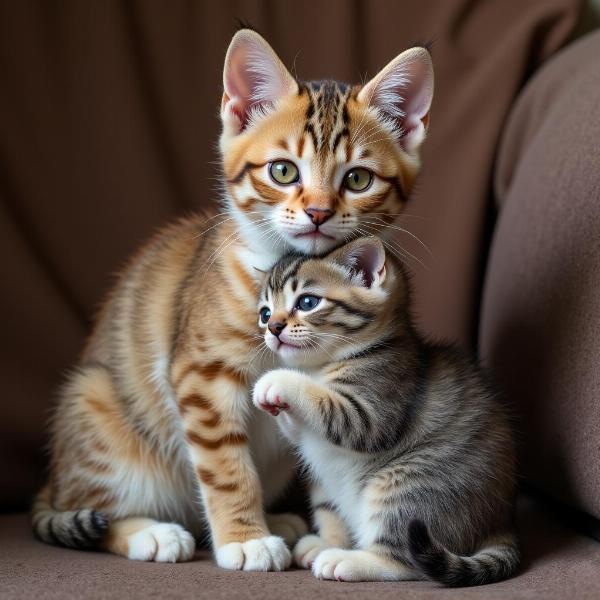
[[343, 565], [162, 542], [273, 391], [262, 554], [307, 550], [288, 526]]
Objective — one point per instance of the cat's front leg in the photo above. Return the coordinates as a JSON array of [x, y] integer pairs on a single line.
[[284, 391], [212, 401]]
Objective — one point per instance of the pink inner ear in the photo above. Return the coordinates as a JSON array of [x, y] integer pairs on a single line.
[[253, 77], [369, 260], [403, 91]]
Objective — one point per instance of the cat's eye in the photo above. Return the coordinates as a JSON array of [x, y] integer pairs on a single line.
[[265, 315], [307, 302], [284, 172], [358, 180]]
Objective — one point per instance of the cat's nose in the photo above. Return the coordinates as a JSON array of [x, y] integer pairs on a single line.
[[319, 215], [276, 327]]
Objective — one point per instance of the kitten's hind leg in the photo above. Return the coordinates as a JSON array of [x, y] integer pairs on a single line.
[[360, 565], [332, 531], [287, 525], [149, 540]]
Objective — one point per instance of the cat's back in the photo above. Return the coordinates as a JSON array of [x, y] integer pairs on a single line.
[[141, 307]]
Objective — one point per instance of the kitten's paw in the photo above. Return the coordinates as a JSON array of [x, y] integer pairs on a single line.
[[343, 565], [272, 392], [162, 542], [262, 554], [288, 526], [307, 550]]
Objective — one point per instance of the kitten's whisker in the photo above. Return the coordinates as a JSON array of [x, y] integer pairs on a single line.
[[412, 235]]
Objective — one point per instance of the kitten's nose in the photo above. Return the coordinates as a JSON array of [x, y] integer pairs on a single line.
[[276, 327], [319, 215]]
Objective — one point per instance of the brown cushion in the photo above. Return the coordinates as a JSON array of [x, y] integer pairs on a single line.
[[541, 310], [557, 564], [108, 126]]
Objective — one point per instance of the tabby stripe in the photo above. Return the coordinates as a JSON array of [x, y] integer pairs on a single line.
[[363, 415], [324, 506], [368, 204], [267, 193], [83, 534], [210, 372], [229, 439], [194, 401], [352, 311], [397, 185], [51, 533], [247, 167], [208, 477]]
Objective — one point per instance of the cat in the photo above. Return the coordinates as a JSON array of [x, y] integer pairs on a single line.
[[154, 441], [410, 454]]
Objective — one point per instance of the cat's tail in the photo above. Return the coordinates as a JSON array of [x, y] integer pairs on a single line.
[[496, 561], [73, 528]]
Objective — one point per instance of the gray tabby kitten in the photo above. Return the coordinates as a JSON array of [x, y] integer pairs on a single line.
[[410, 455]]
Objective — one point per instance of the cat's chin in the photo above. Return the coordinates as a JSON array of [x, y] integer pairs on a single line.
[[293, 356]]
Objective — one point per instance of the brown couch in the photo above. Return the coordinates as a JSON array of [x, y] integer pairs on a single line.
[[107, 129]]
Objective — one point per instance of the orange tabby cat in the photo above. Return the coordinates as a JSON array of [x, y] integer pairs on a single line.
[[155, 436]]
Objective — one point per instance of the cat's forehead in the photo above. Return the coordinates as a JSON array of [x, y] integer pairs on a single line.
[[294, 273], [327, 115]]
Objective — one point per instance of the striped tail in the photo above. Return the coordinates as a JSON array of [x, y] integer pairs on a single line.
[[73, 528], [499, 560]]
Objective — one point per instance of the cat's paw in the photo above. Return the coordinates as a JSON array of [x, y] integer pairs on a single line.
[[307, 550], [341, 565], [288, 526], [262, 554], [161, 542], [273, 392]]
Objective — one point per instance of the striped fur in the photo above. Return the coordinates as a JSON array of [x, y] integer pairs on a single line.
[[410, 453], [153, 433]]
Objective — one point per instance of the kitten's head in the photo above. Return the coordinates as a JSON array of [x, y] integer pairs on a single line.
[[310, 165], [316, 310]]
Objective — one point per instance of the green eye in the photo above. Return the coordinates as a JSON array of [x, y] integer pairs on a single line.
[[307, 302], [358, 180], [284, 172]]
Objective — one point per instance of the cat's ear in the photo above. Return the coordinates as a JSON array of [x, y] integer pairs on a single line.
[[253, 79], [365, 260], [403, 91]]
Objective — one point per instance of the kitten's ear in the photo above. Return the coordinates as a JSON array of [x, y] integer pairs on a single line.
[[403, 91], [365, 259], [253, 79]]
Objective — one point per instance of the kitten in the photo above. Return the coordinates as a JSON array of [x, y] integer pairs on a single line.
[[154, 440], [410, 454]]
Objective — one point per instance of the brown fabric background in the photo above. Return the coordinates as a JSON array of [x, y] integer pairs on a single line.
[[541, 310], [108, 120]]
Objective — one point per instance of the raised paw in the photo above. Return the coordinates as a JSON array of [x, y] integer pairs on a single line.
[[161, 542], [307, 549], [272, 393], [262, 554], [288, 526]]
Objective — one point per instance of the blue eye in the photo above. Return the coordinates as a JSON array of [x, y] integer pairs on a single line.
[[307, 302], [265, 314]]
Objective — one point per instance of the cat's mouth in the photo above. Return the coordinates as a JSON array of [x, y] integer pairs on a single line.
[[314, 234]]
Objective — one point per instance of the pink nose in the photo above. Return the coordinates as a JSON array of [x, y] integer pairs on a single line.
[[318, 215]]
